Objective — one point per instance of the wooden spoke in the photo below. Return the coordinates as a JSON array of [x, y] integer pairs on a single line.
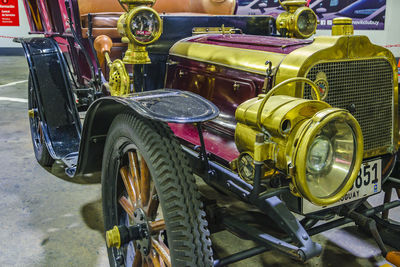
[[126, 205], [153, 202], [144, 181], [157, 226], [162, 244], [155, 258], [145, 263], [129, 184], [137, 261], [133, 164], [163, 251]]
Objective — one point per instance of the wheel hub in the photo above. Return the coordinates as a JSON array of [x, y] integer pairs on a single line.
[[139, 232], [143, 244]]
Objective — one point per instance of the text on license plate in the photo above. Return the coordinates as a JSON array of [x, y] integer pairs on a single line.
[[368, 182]]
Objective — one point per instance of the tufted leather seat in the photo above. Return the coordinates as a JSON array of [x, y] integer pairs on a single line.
[[103, 23]]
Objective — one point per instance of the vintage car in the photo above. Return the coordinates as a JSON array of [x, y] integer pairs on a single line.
[[176, 92]]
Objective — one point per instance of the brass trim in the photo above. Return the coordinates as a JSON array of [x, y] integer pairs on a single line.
[[214, 30]]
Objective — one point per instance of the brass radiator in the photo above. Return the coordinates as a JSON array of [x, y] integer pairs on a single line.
[[365, 88]]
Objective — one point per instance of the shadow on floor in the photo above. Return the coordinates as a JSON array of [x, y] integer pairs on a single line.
[[92, 215]]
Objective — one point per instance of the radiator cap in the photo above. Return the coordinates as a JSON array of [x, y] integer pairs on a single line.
[[342, 26]]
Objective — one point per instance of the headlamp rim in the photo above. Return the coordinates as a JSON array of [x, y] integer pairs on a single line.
[[307, 135], [132, 13]]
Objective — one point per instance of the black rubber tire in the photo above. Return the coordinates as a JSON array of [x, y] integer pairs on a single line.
[[186, 226], [39, 147]]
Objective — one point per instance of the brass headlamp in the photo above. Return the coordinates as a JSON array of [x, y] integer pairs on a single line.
[[298, 21], [319, 147], [139, 27]]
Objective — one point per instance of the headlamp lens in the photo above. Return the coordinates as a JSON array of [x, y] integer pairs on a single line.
[[145, 26], [306, 22], [330, 159], [319, 154]]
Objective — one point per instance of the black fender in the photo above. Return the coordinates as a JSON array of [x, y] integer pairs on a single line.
[[56, 106], [166, 105]]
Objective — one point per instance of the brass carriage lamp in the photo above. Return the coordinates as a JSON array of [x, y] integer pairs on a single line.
[[297, 21], [139, 26]]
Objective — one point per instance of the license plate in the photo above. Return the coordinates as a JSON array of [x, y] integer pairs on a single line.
[[368, 182]]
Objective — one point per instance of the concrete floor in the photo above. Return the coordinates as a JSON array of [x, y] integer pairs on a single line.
[[48, 221]]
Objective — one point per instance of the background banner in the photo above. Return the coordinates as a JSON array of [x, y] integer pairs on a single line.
[[9, 13], [366, 14]]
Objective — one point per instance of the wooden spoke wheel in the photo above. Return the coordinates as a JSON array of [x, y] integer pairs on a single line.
[[146, 183], [39, 146]]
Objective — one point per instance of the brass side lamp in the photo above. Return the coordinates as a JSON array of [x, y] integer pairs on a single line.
[[297, 21], [139, 27]]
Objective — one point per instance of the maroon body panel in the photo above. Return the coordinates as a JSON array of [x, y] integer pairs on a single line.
[[225, 87], [220, 145], [263, 43]]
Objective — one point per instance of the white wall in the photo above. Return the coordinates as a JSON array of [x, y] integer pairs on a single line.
[[15, 31], [389, 36]]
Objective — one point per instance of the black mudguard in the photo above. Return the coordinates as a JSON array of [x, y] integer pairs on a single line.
[[57, 110], [166, 105]]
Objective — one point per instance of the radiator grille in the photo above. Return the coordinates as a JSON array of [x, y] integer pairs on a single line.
[[368, 84]]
